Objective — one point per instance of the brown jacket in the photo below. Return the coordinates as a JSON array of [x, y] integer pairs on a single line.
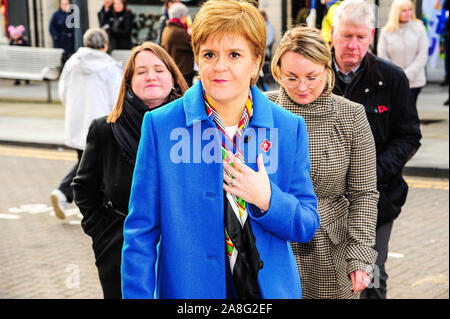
[[177, 42], [343, 172]]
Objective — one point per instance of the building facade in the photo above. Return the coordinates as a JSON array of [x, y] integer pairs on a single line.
[[35, 15], [282, 14]]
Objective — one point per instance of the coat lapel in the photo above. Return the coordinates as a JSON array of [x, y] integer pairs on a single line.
[[320, 118]]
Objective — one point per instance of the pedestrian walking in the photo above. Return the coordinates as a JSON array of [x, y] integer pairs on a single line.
[[88, 88], [164, 18], [62, 34], [222, 229], [343, 168], [106, 19], [327, 21], [383, 89], [177, 41], [17, 38], [103, 181], [122, 25], [106, 15], [404, 42]]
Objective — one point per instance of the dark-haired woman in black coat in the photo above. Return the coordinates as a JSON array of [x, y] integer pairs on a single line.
[[121, 27], [103, 180]]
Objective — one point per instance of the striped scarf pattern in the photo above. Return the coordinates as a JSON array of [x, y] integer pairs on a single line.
[[241, 249]]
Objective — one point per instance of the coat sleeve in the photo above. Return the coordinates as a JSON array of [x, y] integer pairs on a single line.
[[87, 186], [102, 18], [421, 56], [142, 225], [382, 49], [406, 133], [52, 27], [362, 195], [121, 29], [293, 215]]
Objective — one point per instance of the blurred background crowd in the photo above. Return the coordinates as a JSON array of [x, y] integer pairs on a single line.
[[41, 23]]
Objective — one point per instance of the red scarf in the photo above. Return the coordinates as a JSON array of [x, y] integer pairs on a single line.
[[178, 22]]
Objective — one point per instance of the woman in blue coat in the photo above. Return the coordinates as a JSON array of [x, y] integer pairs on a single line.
[[221, 183]]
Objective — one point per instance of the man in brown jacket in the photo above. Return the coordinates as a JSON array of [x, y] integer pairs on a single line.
[[177, 41]]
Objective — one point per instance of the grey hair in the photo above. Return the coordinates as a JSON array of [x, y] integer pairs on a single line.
[[95, 38], [356, 12], [177, 10]]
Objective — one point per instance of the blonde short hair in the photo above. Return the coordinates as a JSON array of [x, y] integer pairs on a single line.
[[237, 17], [308, 43], [393, 23]]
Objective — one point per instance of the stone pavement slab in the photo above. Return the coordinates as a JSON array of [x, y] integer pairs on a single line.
[[418, 261], [434, 116], [44, 257], [32, 130]]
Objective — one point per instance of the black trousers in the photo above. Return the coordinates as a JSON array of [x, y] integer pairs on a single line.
[[65, 186], [415, 93], [378, 287]]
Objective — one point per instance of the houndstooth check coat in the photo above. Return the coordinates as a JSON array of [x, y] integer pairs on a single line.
[[343, 172]]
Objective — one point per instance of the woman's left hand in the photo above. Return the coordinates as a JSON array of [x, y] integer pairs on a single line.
[[360, 280], [251, 186]]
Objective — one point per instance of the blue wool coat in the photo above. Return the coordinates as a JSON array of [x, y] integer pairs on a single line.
[[177, 202]]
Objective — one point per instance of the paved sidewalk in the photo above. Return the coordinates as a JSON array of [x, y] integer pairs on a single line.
[[43, 257]]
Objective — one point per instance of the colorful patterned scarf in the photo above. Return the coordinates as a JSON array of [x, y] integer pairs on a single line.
[[241, 249]]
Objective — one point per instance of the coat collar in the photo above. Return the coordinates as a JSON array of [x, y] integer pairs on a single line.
[[194, 107], [368, 79]]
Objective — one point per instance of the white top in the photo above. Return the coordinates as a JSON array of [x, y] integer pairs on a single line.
[[88, 88], [408, 48], [231, 130]]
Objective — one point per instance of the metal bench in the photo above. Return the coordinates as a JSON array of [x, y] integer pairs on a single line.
[[30, 63], [121, 56]]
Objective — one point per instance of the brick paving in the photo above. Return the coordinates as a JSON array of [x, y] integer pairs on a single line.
[[43, 257], [420, 234]]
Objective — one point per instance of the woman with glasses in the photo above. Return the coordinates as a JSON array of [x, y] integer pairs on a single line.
[[337, 262]]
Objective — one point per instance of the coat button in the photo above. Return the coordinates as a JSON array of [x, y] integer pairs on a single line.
[[261, 264], [380, 83], [366, 90]]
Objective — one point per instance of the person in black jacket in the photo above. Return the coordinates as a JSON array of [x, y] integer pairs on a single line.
[[164, 17], [106, 14], [106, 18], [121, 27], [62, 34], [383, 89], [103, 180]]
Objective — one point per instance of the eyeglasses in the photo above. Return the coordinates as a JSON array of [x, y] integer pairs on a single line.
[[293, 82]]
